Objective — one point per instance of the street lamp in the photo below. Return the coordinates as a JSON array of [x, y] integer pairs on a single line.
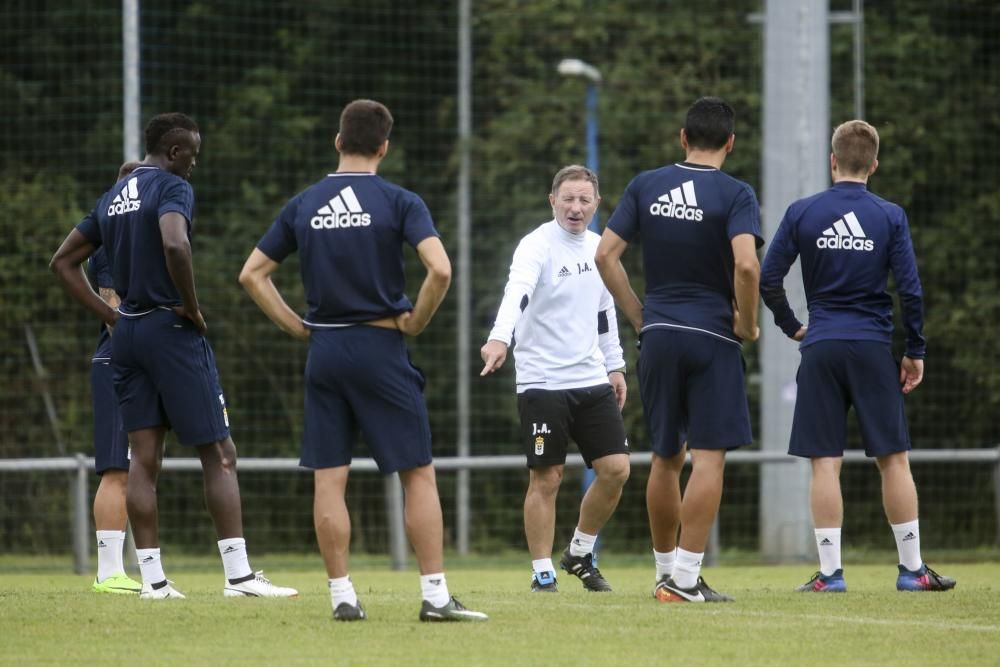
[[576, 67]]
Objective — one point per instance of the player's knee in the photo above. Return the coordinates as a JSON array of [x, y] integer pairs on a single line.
[[614, 469], [897, 461], [545, 480], [219, 455]]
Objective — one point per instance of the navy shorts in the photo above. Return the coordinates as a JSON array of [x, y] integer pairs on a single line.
[[693, 386], [361, 378], [110, 439], [551, 417], [833, 376], [165, 375]]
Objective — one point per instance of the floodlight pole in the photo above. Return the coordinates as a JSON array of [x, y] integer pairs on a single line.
[[131, 101], [575, 67], [592, 144], [796, 140], [463, 276], [131, 146]]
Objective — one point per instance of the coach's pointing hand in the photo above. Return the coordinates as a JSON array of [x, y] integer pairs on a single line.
[[494, 353]]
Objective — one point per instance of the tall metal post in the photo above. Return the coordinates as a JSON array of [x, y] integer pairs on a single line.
[[574, 67], [397, 520], [131, 101], [796, 164], [859, 58], [131, 146], [592, 161], [463, 273], [79, 495]]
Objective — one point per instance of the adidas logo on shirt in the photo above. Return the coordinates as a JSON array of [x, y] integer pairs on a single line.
[[680, 203], [846, 234], [563, 273], [127, 200], [344, 210]]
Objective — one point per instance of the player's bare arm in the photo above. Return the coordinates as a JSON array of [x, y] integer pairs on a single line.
[[746, 283], [67, 264], [435, 259], [608, 260], [256, 280], [494, 353], [177, 249]]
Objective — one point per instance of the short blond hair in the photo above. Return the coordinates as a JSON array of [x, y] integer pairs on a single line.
[[855, 143], [574, 172]]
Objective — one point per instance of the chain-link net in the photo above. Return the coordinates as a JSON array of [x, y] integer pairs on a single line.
[[266, 82]]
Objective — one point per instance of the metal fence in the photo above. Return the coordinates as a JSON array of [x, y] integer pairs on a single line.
[[82, 466]]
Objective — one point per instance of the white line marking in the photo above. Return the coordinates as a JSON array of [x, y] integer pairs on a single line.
[[857, 620]]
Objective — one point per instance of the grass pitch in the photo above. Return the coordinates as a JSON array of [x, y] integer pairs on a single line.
[[52, 618]]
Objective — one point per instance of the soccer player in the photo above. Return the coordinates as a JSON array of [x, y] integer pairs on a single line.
[[110, 444], [164, 368], [700, 229], [849, 240], [348, 229], [570, 375]]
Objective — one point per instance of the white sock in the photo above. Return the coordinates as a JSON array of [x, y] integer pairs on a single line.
[[434, 589], [582, 543], [664, 562], [687, 567], [150, 566], [341, 591], [234, 558], [542, 565], [908, 544], [828, 546], [109, 553]]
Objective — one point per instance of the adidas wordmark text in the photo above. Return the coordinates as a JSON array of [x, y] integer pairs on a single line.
[[680, 203], [127, 200], [845, 234], [344, 210]]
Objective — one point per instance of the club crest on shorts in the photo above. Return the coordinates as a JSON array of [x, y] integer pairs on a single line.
[[539, 445], [225, 412]]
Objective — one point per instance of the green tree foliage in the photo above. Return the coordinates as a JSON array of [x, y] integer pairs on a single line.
[[932, 81], [266, 82]]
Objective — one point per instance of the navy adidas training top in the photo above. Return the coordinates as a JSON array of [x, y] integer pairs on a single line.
[[686, 216], [849, 239], [99, 275], [126, 221], [349, 230]]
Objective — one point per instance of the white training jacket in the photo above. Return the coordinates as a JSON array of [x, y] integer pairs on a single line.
[[562, 315]]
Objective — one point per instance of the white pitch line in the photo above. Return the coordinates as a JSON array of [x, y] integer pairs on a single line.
[[728, 609], [858, 620]]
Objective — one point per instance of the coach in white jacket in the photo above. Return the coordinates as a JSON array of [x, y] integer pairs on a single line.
[[570, 375]]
